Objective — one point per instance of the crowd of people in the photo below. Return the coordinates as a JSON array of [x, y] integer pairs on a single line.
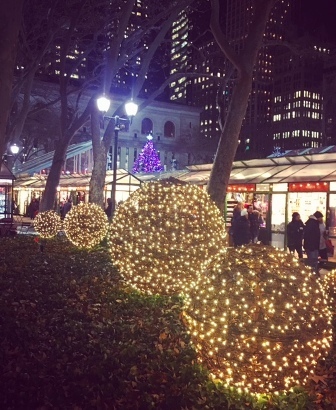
[[245, 225], [65, 207], [310, 237]]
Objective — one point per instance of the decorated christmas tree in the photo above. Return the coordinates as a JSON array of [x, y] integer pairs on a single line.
[[148, 160]]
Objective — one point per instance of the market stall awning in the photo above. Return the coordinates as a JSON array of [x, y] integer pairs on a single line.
[[299, 168], [5, 173], [44, 161], [69, 181]]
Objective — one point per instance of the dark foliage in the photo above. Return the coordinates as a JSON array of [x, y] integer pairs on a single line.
[[72, 336]]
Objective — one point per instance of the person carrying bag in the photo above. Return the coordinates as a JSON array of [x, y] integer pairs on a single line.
[[330, 248]]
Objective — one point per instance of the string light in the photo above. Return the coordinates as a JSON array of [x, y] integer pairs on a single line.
[[259, 320], [85, 225], [47, 224], [329, 287], [164, 235]]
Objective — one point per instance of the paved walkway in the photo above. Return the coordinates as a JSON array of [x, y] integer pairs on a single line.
[[24, 225]]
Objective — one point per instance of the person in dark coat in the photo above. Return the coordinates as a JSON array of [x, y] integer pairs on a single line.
[[235, 216], [67, 207], [311, 240], [108, 209], [33, 208], [295, 235], [241, 230], [255, 221]]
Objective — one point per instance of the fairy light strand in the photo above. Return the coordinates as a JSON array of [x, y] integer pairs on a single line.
[[164, 235], [47, 224], [85, 225], [259, 320]]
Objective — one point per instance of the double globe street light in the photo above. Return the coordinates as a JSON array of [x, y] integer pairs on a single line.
[[131, 108]]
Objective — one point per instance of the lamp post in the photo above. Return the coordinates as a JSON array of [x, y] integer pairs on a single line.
[[14, 150], [103, 104]]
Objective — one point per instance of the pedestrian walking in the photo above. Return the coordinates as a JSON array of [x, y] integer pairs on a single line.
[[311, 240], [108, 209], [235, 215], [255, 220], [241, 230], [323, 253], [67, 207], [33, 208], [295, 235]]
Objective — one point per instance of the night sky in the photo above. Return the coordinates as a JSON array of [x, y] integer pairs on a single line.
[[319, 16]]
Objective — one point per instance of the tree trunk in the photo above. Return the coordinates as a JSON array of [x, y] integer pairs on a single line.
[[48, 198], [244, 64], [11, 14], [99, 149], [97, 180], [228, 142]]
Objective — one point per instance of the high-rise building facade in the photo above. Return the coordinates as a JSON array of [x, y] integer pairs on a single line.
[[216, 78], [297, 106], [285, 107], [329, 101]]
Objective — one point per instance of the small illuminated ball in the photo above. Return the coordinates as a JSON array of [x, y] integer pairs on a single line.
[[85, 225], [259, 320], [164, 235], [47, 224]]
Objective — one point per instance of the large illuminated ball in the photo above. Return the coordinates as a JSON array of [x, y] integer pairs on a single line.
[[259, 320], [164, 235], [85, 225], [47, 224], [329, 287]]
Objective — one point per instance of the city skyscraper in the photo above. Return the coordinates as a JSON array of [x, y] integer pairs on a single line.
[[297, 106], [329, 101], [180, 58], [286, 100]]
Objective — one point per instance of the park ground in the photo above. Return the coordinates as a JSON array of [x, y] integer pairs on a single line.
[[74, 336]]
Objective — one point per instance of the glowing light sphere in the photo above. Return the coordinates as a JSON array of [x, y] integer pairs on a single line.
[[47, 224], [85, 225], [164, 235], [259, 320]]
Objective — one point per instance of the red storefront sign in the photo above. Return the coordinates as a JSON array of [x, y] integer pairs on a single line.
[[308, 187]]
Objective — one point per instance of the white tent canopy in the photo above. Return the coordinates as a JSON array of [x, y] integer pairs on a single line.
[[301, 168]]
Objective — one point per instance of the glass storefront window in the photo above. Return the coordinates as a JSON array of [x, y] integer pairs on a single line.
[[5, 201], [232, 198], [332, 215], [278, 213], [306, 203], [260, 203]]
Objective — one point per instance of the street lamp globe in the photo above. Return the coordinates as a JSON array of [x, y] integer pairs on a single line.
[[14, 149], [103, 103], [131, 109]]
